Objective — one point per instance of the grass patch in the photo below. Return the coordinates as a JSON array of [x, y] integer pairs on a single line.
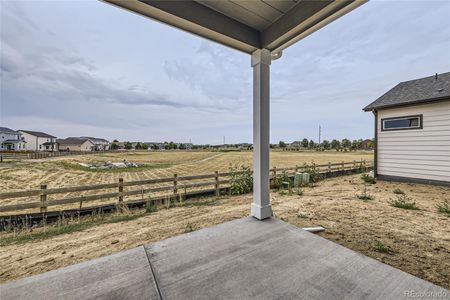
[[190, 228], [368, 179], [444, 208], [299, 192], [302, 216], [379, 246], [67, 226], [398, 191], [150, 207], [365, 196], [403, 202], [76, 166]]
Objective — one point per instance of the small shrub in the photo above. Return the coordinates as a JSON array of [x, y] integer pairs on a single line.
[[150, 207], [382, 248], [368, 179], [404, 202], [241, 180], [398, 191], [365, 196], [189, 228], [277, 182], [302, 216], [313, 172], [299, 192], [444, 208]]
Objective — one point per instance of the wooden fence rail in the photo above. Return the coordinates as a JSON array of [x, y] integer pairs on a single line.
[[45, 154], [177, 183]]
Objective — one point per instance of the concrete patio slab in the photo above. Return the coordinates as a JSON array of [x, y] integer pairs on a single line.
[[241, 259], [271, 259], [123, 275]]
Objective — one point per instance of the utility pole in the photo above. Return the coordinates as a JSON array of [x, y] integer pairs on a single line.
[[320, 133], [224, 141]]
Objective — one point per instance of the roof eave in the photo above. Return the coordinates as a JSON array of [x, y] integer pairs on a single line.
[[205, 22], [423, 101]]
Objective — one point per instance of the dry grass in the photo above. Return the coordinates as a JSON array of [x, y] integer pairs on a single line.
[[56, 172], [415, 241], [65, 171]]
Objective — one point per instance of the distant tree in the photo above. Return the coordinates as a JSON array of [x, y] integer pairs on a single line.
[[356, 144], [305, 143], [114, 146], [346, 143], [138, 146], [371, 144], [326, 144], [144, 147], [335, 144], [115, 141], [182, 146], [282, 144], [311, 144], [128, 146]]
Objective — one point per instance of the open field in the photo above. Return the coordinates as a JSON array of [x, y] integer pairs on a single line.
[[415, 241], [64, 171]]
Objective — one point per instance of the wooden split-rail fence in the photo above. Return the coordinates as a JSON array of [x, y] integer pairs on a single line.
[[176, 185], [4, 156]]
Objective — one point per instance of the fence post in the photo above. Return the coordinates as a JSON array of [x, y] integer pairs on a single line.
[[43, 198], [329, 167], [365, 167], [120, 191], [354, 164], [175, 185], [274, 172], [343, 166], [216, 173]]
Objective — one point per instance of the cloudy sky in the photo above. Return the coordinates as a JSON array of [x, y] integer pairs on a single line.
[[74, 68]]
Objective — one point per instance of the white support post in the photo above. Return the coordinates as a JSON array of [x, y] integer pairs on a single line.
[[261, 208]]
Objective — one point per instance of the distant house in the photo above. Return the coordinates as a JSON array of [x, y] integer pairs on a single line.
[[154, 145], [75, 144], [296, 145], [39, 141], [412, 131], [99, 143], [367, 144], [187, 146], [245, 146], [11, 140], [120, 146]]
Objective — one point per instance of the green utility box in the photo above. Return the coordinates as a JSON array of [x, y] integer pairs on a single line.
[[301, 179]]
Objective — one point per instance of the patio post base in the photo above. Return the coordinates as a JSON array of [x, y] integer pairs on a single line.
[[261, 212]]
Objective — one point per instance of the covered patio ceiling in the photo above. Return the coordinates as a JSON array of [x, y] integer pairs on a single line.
[[245, 25], [262, 28]]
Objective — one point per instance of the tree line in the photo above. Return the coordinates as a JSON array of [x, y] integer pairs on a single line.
[[344, 144]]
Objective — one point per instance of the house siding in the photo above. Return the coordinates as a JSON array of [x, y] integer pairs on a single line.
[[34, 143], [416, 153]]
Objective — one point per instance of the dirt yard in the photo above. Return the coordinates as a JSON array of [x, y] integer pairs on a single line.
[[415, 241]]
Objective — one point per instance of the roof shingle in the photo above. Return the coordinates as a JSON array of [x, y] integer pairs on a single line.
[[38, 133], [427, 89]]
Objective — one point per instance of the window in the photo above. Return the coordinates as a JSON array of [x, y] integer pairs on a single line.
[[402, 123]]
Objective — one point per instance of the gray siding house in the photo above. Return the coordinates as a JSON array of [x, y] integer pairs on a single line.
[[11, 140], [412, 131]]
